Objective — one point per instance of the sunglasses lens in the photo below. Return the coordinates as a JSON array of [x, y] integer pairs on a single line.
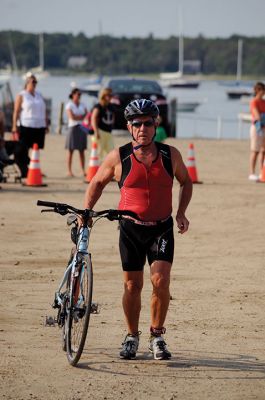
[[149, 123], [138, 124]]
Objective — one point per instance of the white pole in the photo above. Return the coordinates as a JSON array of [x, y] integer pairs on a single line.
[[219, 127], [239, 128]]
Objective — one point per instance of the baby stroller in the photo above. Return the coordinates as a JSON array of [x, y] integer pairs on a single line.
[[14, 168], [9, 172]]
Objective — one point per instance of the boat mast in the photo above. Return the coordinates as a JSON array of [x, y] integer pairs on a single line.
[[239, 60], [12, 55], [181, 41], [41, 51]]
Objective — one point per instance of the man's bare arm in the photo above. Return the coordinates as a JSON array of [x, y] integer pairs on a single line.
[[185, 192], [103, 176]]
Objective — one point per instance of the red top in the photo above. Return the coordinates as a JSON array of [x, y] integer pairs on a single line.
[[147, 191], [259, 104]]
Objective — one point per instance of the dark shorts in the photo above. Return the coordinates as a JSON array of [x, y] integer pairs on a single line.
[[29, 136], [138, 242]]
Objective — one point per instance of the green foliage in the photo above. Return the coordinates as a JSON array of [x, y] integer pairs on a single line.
[[109, 55]]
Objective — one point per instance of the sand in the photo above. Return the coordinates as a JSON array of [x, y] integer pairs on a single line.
[[215, 324]]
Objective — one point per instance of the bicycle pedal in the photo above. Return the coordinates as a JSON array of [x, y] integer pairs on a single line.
[[95, 308], [56, 303], [50, 321]]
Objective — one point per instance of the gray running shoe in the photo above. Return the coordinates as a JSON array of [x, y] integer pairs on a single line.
[[159, 348], [129, 347]]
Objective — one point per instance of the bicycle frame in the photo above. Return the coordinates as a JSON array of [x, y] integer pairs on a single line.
[[81, 256]]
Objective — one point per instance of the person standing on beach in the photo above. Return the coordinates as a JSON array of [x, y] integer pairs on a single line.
[[76, 138], [29, 116], [145, 170], [257, 130], [102, 120]]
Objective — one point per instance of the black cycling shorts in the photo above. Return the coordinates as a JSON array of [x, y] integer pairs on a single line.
[[139, 241]]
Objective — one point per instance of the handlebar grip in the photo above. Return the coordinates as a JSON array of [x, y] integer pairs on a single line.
[[46, 203], [128, 213], [118, 214]]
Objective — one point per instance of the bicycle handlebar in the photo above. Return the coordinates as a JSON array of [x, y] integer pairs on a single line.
[[63, 209]]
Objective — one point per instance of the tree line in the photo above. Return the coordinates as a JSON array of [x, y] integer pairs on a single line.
[[110, 55]]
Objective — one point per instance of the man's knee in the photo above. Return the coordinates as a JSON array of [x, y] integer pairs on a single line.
[[133, 287], [160, 281]]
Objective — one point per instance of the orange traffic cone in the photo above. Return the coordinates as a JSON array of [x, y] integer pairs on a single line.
[[34, 177], [191, 166], [262, 175], [93, 165]]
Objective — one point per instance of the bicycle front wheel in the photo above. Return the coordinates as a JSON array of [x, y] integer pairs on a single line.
[[79, 312]]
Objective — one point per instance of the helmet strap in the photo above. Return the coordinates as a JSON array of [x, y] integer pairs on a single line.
[[138, 146]]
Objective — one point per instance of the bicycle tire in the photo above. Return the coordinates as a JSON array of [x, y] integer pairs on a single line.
[[79, 314], [65, 305], [64, 309]]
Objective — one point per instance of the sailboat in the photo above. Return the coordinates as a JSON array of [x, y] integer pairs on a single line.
[[176, 79], [39, 71], [240, 90], [6, 73]]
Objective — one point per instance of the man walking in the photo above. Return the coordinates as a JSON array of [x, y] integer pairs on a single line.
[[145, 171]]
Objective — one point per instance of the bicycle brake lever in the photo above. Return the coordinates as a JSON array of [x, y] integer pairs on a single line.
[[42, 211], [61, 210]]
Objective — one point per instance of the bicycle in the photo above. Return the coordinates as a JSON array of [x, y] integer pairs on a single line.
[[75, 304]]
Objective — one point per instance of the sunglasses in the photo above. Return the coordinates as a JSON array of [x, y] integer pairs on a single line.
[[138, 124], [34, 81]]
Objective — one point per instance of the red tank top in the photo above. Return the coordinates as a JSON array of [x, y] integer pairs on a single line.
[[147, 191]]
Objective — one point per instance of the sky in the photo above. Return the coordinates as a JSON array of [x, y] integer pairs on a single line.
[[136, 18]]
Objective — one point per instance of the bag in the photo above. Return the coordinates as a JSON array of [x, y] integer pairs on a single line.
[[86, 125]]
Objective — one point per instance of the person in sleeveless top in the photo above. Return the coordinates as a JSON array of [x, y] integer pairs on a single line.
[[29, 116], [76, 138], [102, 120], [145, 171], [257, 131]]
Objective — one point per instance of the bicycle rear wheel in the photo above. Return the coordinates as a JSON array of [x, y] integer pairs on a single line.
[[79, 312]]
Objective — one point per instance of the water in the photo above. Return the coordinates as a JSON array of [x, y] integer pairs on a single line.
[[215, 117]]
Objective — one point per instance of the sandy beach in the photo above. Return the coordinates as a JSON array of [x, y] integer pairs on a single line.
[[215, 324]]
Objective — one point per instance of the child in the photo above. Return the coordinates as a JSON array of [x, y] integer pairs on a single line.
[[160, 131]]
